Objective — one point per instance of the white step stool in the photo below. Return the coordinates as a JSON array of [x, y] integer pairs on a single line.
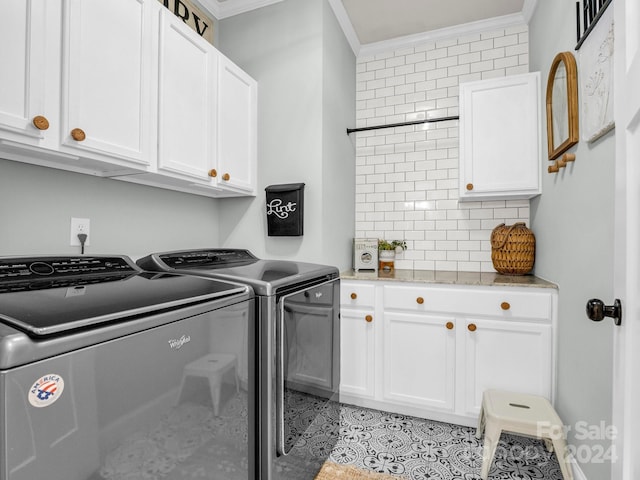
[[212, 366], [530, 415]]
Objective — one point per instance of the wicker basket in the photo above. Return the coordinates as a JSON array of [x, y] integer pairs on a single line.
[[513, 249]]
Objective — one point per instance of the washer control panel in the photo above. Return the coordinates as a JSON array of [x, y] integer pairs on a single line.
[[33, 268]]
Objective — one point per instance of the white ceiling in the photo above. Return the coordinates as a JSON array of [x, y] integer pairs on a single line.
[[378, 24]]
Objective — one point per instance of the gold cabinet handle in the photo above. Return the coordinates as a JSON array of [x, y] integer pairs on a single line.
[[505, 306], [40, 122], [354, 296], [78, 134], [472, 327], [449, 325], [469, 186], [226, 177], [369, 318], [213, 173], [419, 300]]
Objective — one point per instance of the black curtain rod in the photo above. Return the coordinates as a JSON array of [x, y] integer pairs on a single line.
[[402, 124]]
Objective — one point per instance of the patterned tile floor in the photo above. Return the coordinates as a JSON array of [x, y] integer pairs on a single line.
[[418, 449]]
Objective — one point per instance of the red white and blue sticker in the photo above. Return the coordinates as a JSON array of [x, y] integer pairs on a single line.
[[46, 390]]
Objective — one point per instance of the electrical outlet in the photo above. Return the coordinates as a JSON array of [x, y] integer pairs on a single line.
[[79, 225]]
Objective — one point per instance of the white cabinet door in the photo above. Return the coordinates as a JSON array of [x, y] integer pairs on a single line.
[[357, 352], [186, 110], [237, 128], [419, 360], [107, 78], [22, 77], [500, 138], [505, 355]]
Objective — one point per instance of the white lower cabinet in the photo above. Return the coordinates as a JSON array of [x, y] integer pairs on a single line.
[[419, 360], [357, 353], [507, 356], [431, 350]]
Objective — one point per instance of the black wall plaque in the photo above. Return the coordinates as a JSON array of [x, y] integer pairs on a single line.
[[285, 210]]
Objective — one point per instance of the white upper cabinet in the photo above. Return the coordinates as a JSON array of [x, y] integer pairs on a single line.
[[106, 80], [23, 36], [500, 138], [123, 89], [237, 128], [187, 96]]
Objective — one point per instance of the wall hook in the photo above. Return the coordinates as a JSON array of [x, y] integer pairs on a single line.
[[566, 158]]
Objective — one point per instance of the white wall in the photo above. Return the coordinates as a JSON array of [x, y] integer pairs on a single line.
[[306, 82], [407, 177], [36, 204], [573, 221]]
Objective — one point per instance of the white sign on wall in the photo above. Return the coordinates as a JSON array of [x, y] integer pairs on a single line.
[[596, 79]]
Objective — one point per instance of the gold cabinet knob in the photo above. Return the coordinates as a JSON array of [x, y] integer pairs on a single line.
[[472, 327], [419, 300], [505, 306], [213, 173], [354, 296], [369, 318], [78, 134], [40, 122], [449, 325], [469, 186], [226, 177]]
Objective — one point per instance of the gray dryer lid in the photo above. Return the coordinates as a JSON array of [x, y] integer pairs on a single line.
[[265, 277]]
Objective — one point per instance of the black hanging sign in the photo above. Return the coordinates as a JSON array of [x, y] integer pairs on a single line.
[[285, 210]]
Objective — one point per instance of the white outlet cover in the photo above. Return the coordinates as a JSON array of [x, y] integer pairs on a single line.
[[79, 225]]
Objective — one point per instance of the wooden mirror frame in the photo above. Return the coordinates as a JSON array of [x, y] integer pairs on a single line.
[[569, 62]]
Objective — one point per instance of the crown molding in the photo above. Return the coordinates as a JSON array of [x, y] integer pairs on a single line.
[[345, 24], [222, 9], [528, 9], [505, 21], [461, 30]]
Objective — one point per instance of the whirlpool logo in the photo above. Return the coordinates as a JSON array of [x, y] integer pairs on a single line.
[[177, 343]]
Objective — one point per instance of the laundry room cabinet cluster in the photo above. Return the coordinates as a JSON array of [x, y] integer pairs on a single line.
[[124, 89], [430, 349]]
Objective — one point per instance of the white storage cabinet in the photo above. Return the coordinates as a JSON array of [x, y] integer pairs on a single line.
[[438, 347], [500, 121], [139, 105], [358, 323]]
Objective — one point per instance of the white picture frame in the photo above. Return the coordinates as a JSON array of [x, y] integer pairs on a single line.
[[596, 79]]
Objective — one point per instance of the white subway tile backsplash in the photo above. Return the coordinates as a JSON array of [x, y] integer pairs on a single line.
[[506, 40], [493, 53], [407, 177], [517, 49]]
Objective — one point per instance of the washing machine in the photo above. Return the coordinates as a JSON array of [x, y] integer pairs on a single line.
[[298, 360], [110, 372]]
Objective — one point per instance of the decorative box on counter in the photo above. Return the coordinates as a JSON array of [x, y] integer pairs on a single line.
[[365, 254], [285, 210]]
